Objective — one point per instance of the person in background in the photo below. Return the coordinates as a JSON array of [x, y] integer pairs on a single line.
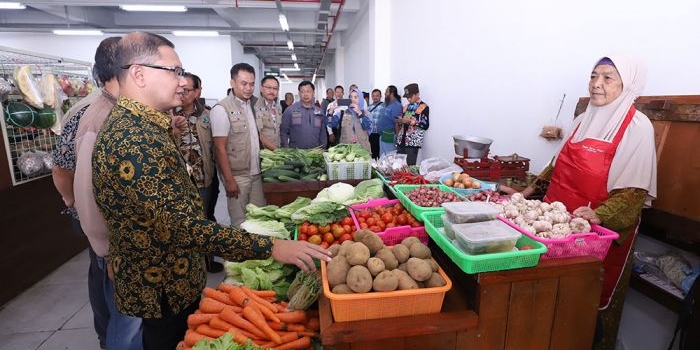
[[303, 124], [288, 101], [269, 111], [353, 122], [387, 123], [237, 143], [334, 134], [329, 98], [365, 96], [376, 109], [158, 230], [352, 87], [412, 125], [196, 147], [65, 159], [606, 173]]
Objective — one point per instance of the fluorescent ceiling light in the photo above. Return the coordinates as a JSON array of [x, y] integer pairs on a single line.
[[294, 57], [77, 32], [290, 44], [289, 69], [152, 8], [12, 6], [283, 23], [296, 65], [195, 33]]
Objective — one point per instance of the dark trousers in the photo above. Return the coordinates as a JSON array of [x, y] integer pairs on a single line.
[[410, 152], [164, 333], [96, 293], [374, 145]]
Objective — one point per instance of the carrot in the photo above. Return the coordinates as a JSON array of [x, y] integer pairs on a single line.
[[195, 320], [217, 323], [217, 295], [286, 338], [308, 333], [192, 337], [247, 334], [265, 293], [235, 319], [239, 297], [255, 317], [301, 343], [207, 330], [280, 308], [239, 337], [211, 306], [258, 299], [270, 315], [298, 316], [225, 287], [271, 299], [313, 324], [286, 327]]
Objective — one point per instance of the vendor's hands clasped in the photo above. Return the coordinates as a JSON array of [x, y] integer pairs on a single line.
[[588, 214], [299, 253]]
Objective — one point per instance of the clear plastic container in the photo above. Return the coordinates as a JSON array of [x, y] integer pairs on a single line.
[[486, 237], [466, 212], [449, 230]]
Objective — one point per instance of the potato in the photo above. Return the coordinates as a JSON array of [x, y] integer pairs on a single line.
[[375, 266], [344, 246], [433, 264], [359, 234], [337, 272], [435, 280], [385, 282], [334, 249], [359, 279], [404, 280], [449, 182], [418, 269], [372, 241], [420, 251], [357, 254], [408, 241], [401, 253], [388, 258], [403, 267], [342, 289]]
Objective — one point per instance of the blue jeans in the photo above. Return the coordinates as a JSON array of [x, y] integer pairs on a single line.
[[386, 147], [100, 311], [123, 332]]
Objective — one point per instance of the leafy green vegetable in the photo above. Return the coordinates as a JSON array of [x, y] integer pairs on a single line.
[[304, 290], [339, 192], [284, 213], [260, 213], [225, 342], [259, 274], [348, 153], [266, 228], [368, 189], [321, 213]]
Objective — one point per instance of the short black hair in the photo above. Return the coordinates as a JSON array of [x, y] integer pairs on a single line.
[[241, 67], [394, 91], [377, 90], [196, 82], [340, 87], [105, 68], [306, 82], [138, 47], [268, 77], [329, 89]]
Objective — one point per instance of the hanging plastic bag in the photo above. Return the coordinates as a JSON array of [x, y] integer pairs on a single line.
[[433, 168], [554, 130]]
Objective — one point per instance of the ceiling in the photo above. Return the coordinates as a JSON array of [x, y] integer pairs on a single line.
[[253, 23]]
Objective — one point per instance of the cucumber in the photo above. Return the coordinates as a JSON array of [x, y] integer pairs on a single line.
[[277, 172], [284, 167], [284, 178], [270, 179], [294, 164]]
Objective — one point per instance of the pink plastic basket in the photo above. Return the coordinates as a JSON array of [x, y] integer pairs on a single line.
[[594, 243], [393, 235]]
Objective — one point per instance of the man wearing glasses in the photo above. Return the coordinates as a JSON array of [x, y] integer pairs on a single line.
[[158, 231], [237, 142], [270, 111]]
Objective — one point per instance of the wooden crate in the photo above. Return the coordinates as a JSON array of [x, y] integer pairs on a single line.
[[500, 167]]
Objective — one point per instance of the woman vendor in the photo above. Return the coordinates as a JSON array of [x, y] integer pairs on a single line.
[[606, 172], [354, 122]]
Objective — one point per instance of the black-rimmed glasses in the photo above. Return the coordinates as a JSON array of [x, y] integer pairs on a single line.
[[177, 70]]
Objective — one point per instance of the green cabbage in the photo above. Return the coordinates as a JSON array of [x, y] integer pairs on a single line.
[[369, 189], [266, 228]]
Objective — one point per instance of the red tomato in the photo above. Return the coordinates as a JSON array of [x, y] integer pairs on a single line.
[[416, 224], [316, 239], [344, 238], [391, 224], [362, 220], [375, 229], [338, 231], [376, 216], [328, 237], [302, 237], [364, 226], [381, 210], [324, 229], [324, 245], [381, 224], [371, 221], [347, 221], [304, 228], [387, 218], [525, 247], [347, 228], [365, 214], [401, 219], [312, 230], [334, 225]]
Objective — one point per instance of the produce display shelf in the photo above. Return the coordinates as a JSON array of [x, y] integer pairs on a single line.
[[483, 262], [413, 208]]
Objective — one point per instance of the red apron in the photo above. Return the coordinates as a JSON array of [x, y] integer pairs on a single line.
[[580, 178]]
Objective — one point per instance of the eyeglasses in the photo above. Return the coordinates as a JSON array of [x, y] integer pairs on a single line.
[[187, 91], [275, 88], [179, 71]]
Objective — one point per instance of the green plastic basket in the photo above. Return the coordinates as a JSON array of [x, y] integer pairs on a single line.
[[414, 209], [483, 262]]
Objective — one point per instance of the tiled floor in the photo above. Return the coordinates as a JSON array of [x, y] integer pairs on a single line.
[[55, 314]]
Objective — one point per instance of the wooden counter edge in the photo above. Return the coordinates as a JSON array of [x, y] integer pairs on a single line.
[[368, 330], [544, 269]]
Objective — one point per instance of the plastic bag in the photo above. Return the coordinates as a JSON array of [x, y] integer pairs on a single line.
[[29, 87], [30, 164], [390, 162], [553, 131], [433, 168]]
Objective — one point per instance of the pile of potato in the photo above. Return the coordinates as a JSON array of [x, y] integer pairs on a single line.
[[366, 264], [463, 181]]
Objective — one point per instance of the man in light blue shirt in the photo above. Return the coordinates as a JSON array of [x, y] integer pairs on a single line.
[[375, 109]]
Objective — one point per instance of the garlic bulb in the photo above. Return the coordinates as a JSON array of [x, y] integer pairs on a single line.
[[531, 215], [529, 229], [517, 197], [545, 207], [579, 225], [509, 206], [511, 213], [561, 230], [559, 217], [542, 225], [559, 206]]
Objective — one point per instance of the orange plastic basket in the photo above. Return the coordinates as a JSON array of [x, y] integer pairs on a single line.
[[374, 305]]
